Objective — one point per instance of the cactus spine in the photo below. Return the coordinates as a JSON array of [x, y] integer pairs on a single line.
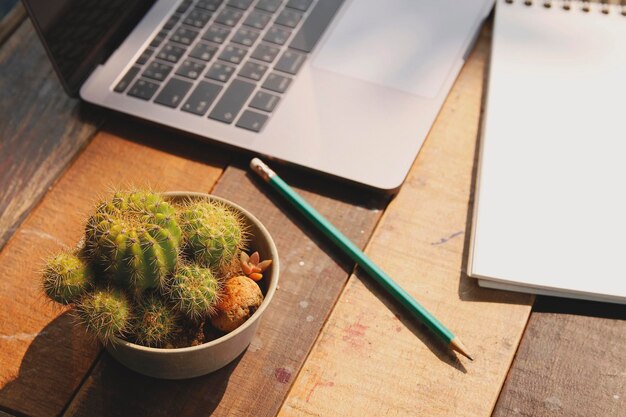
[[155, 323], [213, 234], [106, 313], [66, 278], [135, 238], [194, 291]]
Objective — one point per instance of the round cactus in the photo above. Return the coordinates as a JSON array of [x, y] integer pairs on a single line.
[[212, 233], [155, 323], [66, 277], [135, 238], [194, 291], [106, 313]]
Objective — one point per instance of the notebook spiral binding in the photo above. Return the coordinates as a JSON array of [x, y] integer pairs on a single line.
[[604, 6]]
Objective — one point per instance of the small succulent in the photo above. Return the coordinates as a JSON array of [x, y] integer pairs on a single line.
[[252, 265]]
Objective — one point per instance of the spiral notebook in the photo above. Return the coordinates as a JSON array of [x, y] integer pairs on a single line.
[[550, 210]]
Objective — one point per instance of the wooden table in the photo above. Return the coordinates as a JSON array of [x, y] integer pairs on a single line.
[[332, 343]]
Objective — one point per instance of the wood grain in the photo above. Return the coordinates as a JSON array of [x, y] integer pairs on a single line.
[[11, 20], [41, 128], [311, 279], [43, 357], [571, 362], [371, 357]]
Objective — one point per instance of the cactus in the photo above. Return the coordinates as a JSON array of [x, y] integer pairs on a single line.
[[155, 323], [213, 234], [106, 313], [194, 291], [142, 277], [66, 277], [135, 238]]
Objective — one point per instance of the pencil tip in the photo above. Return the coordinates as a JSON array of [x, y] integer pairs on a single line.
[[458, 346]]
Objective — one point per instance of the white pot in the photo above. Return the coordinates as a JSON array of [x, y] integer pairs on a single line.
[[199, 360]]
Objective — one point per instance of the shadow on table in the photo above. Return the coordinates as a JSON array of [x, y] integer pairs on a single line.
[[62, 365], [113, 390], [53, 366], [425, 335]]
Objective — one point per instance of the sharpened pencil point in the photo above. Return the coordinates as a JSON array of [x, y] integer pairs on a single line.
[[458, 346]]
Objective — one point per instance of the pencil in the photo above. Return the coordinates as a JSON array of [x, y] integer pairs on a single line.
[[357, 255]]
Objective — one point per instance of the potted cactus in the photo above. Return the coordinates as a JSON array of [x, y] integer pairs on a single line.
[[166, 281]]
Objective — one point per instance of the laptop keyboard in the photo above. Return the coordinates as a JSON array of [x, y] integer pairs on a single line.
[[228, 60]]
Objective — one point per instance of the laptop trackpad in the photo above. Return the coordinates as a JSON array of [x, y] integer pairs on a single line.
[[409, 45]]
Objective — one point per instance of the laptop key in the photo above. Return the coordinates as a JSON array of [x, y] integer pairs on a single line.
[[240, 4], [158, 39], [145, 56], [253, 70], [202, 97], [268, 5], [126, 79], [276, 82], [289, 18], [210, 5], [173, 92], [232, 101], [220, 72], [290, 62], [143, 89], [277, 35], [171, 53], [184, 36], [264, 52], [184, 6], [171, 22], [264, 101], [229, 17], [252, 120], [315, 24], [198, 18], [157, 71], [203, 51], [233, 54], [301, 5], [217, 34], [257, 20], [190, 69], [245, 37]]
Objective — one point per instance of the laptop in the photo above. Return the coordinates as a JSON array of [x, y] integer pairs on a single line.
[[348, 88]]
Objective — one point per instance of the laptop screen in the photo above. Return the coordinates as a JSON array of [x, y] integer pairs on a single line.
[[80, 34]]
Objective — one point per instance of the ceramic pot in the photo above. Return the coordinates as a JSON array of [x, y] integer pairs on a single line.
[[199, 360]]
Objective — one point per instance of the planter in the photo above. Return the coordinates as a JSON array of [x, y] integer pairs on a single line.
[[199, 360]]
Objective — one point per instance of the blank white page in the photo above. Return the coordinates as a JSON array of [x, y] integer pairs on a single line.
[[551, 192]]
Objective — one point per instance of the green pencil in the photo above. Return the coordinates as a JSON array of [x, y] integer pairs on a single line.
[[359, 257]]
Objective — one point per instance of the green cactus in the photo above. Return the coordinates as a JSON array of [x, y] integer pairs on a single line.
[[194, 291], [66, 277], [106, 313], [135, 238], [155, 323], [212, 233]]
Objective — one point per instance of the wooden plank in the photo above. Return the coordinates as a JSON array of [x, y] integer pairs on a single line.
[[371, 357], [42, 129], [311, 279], [11, 19], [571, 362], [43, 357]]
